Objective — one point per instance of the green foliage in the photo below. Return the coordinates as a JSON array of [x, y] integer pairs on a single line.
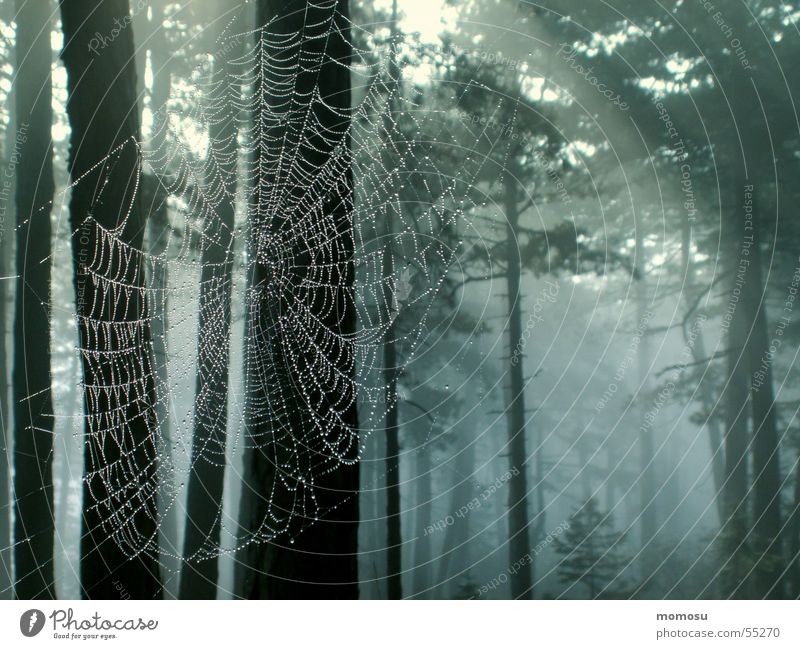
[[592, 554]]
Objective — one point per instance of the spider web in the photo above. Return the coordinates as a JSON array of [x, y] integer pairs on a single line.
[[402, 255]]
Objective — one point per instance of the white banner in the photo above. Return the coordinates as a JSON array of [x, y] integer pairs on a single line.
[[403, 625]]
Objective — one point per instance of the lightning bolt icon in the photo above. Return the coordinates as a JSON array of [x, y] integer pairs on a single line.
[[32, 621]]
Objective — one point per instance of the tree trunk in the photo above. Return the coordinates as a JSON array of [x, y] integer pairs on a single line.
[[735, 401], [454, 545], [300, 492], [158, 228], [766, 453], [750, 343], [394, 537], [793, 525], [423, 518], [33, 440], [518, 523], [647, 470], [206, 478], [119, 535], [706, 397], [6, 272]]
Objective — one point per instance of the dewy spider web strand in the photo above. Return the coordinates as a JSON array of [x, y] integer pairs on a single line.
[[196, 187]]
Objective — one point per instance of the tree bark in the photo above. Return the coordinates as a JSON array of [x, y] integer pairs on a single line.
[[394, 536], [707, 399], [6, 545], [518, 523], [308, 555], [793, 525], [647, 462], [767, 522], [457, 534], [735, 401], [206, 478], [423, 518], [33, 440], [119, 535], [750, 342]]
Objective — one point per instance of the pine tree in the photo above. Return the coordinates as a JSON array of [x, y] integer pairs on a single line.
[[592, 553]]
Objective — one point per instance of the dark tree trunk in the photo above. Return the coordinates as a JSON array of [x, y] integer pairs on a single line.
[[5, 403], [206, 478], [518, 522], [288, 396], [752, 160], [119, 535], [453, 556], [706, 396], [766, 453], [423, 518], [757, 534], [793, 525], [394, 536], [735, 401], [33, 440]]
